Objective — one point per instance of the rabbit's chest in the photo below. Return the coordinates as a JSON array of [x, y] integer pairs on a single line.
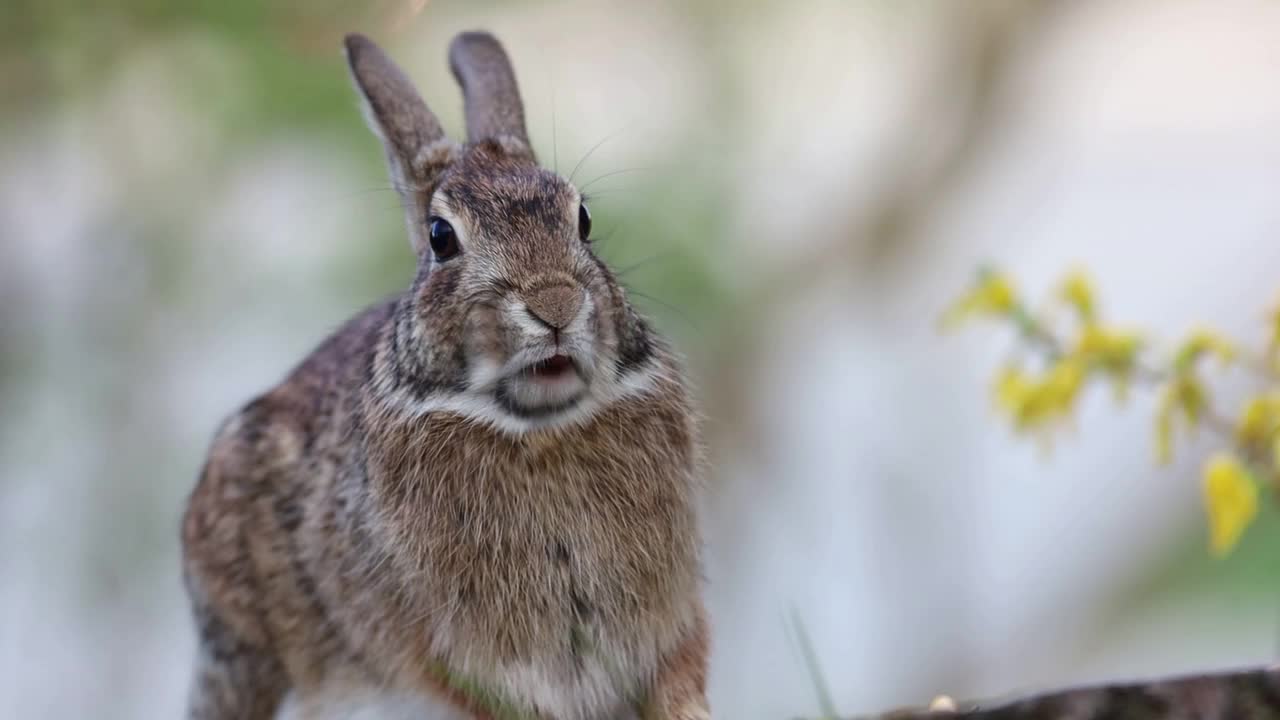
[[566, 558], [552, 615], [557, 572], [563, 585]]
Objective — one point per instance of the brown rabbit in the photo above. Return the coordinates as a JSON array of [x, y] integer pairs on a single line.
[[477, 499]]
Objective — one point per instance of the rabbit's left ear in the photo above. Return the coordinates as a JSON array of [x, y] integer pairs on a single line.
[[493, 107], [417, 150]]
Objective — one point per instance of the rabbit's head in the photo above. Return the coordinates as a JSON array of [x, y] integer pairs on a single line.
[[511, 318]]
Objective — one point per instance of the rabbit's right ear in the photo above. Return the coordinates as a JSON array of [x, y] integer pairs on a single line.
[[417, 150]]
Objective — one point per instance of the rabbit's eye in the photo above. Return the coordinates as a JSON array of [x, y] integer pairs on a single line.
[[584, 223], [444, 241]]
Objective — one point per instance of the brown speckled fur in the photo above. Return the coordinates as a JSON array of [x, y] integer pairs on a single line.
[[343, 539]]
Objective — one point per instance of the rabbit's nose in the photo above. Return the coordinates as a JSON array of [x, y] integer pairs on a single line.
[[556, 306]]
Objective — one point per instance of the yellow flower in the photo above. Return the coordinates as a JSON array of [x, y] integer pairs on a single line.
[[1230, 499], [1037, 402], [1164, 433], [1201, 342], [1190, 397], [992, 295], [1273, 342], [1020, 395], [1109, 345], [1185, 395], [1254, 421], [1062, 384], [1114, 351], [1077, 290], [1012, 387], [1259, 419]]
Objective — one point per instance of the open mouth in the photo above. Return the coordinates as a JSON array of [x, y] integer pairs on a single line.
[[553, 368], [544, 389]]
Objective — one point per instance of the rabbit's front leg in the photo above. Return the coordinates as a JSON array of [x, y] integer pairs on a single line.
[[680, 689]]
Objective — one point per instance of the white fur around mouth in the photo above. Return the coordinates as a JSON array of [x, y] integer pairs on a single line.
[[547, 387]]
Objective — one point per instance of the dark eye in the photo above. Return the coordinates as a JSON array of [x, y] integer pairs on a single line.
[[584, 223], [444, 241]]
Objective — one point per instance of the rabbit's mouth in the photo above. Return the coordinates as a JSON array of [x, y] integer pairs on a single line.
[[544, 388], [556, 366]]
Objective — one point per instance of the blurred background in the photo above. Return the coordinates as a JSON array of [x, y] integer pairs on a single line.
[[189, 202]]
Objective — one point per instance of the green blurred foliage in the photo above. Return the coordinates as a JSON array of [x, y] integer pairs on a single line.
[[287, 77]]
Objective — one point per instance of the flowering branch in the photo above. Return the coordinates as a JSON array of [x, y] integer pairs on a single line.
[[1040, 396]]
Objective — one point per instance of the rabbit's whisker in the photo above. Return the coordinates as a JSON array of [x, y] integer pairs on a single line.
[[592, 150], [623, 271], [668, 306], [623, 171]]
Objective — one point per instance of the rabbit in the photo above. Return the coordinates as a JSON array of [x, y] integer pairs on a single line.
[[477, 499]]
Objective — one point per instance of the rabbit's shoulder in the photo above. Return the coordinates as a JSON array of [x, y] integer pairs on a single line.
[[259, 451], [263, 468]]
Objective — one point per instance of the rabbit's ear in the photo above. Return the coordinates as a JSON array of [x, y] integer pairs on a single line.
[[417, 151], [493, 107]]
